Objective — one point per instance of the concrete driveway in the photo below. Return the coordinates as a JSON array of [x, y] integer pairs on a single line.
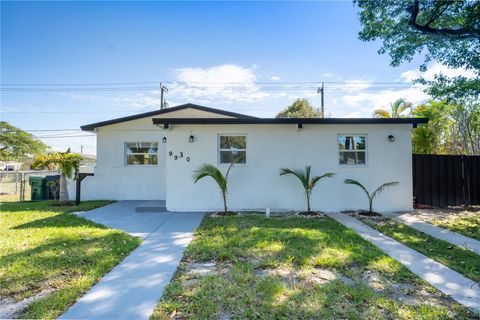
[[133, 288]]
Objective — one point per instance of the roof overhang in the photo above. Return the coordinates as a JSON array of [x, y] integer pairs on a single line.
[[91, 127], [165, 122]]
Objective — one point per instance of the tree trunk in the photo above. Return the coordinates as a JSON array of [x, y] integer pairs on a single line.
[[224, 201], [63, 197], [370, 204], [308, 203]]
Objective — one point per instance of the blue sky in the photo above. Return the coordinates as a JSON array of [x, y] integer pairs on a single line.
[[217, 43]]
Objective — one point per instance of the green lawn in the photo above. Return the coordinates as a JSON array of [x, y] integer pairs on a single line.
[[268, 269], [466, 223], [459, 259], [43, 247]]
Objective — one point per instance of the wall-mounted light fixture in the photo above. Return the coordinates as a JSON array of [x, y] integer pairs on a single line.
[[299, 125], [164, 140], [391, 138], [191, 139]]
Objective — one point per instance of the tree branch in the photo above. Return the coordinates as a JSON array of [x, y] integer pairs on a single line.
[[463, 33]]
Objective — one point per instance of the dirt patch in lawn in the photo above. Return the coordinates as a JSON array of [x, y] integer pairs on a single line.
[[405, 292], [412, 294], [253, 267]]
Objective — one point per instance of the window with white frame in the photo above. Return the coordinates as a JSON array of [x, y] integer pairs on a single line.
[[352, 149], [232, 147], [141, 153]]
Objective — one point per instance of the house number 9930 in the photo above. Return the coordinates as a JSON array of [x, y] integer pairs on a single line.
[[179, 156]]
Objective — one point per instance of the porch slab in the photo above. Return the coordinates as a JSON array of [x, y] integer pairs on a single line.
[[152, 206]]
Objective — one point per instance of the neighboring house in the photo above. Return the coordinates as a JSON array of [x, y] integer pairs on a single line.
[[152, 156], [10, 166]]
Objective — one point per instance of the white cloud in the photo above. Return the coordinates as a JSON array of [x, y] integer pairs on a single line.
[[136, 101], [328, 75], [435, 68], [355, 85], [361, 102], [75, 142], [381, 99], [275, 78], [229, 83]]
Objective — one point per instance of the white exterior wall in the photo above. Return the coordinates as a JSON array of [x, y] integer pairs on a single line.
[[115, 180], [257, 185]]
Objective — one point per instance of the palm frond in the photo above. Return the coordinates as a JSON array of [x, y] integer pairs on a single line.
[[318, 178], [399, 107], [356, 183], [300, 174], [383, 187], [381, 113], [66, 163], [209, 170], [234, 160]]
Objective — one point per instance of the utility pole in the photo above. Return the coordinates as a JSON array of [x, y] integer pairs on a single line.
[[321, 90], [163, 89], [81, 149]]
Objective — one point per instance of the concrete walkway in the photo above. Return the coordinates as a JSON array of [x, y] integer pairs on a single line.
[[133, 288], [443, 234], [460, 288]]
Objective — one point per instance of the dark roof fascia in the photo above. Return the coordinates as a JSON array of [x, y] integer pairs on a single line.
[[92, 126], [413, 121]]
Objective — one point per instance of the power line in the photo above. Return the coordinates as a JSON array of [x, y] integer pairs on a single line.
[[196, 82], [54, 137], [42, 130], [60, 111]]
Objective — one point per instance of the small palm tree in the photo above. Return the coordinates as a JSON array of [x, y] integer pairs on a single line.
[[397, 110], [65, 162], [209, 170], [371, 196], [308, 182]]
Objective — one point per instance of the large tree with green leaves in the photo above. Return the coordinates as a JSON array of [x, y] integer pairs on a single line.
[[446, 31], [443, 30], [18, 144], [432, 137], [452, 129], [300, 108]]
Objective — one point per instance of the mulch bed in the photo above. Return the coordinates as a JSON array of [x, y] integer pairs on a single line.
[[364, 214], [310, 213], [223, 213]]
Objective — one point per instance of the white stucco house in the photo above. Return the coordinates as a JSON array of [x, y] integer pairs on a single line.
[[152, 156]]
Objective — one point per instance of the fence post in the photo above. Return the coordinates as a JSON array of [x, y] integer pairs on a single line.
[[22, 191], [467, 181], [16, 182]]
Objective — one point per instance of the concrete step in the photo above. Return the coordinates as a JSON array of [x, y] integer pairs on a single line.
[[151, 206]]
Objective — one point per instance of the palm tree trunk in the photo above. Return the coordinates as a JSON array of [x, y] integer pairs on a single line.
[[63, 197], [308, 203], [224, 201]]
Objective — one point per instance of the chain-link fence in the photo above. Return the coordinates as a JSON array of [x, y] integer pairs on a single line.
[[15, 185]]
